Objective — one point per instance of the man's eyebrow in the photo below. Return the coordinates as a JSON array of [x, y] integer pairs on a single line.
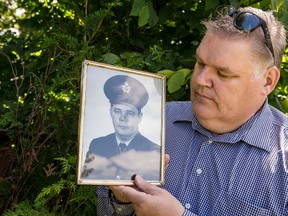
[[116, 108], [225, 70]]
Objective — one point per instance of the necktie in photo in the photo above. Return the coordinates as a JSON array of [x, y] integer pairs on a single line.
[[122, 147]]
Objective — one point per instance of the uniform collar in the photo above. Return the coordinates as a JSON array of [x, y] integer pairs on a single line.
[[126, 142]]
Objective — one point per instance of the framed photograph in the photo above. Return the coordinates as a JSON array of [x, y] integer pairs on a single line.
[[121, 125]]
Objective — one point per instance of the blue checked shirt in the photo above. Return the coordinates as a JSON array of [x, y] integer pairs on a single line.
[[244, 172]]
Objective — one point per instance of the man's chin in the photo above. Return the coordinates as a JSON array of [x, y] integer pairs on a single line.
[[203, 110], [125, 135], [199, 106]]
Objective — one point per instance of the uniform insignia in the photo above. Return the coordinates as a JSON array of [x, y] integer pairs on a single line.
[[126, 88]]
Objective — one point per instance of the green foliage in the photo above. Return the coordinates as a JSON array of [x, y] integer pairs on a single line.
[[62, 197], [146, 13], [41, 57], [178, 83], [66, 185], [25, 208], [178, 79]]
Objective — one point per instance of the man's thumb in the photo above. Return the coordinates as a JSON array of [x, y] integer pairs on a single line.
[[144, 186]]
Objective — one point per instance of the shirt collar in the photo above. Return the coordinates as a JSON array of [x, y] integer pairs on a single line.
[[255, 132], [259, 133], [126, 142]]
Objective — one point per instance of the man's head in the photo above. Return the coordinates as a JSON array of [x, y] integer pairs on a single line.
[[127, 97], [234, 24], [235, 71]]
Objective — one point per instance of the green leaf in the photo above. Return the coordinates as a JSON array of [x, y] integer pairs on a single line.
[[178, 95], [284, 104], [167, 73], [234, 3], [179, 3], [110, 58], [153, 18], [283, 17], [211, 4], [176, 81], [144, 15], [137, 6], [185, 71], [276, 4]]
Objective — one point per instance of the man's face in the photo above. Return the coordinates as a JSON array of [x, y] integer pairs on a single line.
[[126, 119], [224, 92]]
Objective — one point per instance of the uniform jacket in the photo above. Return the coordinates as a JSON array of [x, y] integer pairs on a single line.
[[107, 146]]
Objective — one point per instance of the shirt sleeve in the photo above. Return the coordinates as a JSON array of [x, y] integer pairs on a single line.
[[107, 206]]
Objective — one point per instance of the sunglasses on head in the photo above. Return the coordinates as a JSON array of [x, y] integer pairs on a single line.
[[248, 22]]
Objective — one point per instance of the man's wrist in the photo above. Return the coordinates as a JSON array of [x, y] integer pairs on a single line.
[[120, 208]]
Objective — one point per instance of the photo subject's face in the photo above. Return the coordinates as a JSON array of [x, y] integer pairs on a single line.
[[125, 118]]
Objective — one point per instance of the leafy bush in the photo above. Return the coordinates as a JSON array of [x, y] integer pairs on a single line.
[[63, 197]]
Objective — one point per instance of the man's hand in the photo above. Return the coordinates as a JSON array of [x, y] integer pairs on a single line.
[[118, 190], [149, 200]]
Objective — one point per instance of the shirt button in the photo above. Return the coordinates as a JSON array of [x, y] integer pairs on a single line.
[[187, 206], [119, 210], [210, 141], [199, 171]]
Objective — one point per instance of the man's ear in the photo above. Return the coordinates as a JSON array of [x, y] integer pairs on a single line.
[[140, 115], [272, 76], [110, 111]]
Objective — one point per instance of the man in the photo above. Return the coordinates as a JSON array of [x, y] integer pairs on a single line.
[[110, 157], [228, 149]]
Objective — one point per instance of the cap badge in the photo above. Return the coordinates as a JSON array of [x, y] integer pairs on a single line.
[[126, 88]]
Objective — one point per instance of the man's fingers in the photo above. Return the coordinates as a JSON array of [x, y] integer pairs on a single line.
[[144, 186], [126, 194], [133, 195], [119, 193], [167, 159]]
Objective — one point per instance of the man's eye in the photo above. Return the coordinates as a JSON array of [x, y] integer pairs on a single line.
[[222, 75], [131, 114], [200, 64], [116, 111]]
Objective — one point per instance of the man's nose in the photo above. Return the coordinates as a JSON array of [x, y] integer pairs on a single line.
[[203, 77], [123, 117]]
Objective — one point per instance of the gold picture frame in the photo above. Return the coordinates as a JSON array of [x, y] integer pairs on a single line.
[[119, 103]]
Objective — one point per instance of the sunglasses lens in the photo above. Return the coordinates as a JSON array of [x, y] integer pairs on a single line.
[[247, 22]]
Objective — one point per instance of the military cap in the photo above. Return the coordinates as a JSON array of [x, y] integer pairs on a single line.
[[126, 89]]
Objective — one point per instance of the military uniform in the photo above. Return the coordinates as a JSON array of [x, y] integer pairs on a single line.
[[107, 146]]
